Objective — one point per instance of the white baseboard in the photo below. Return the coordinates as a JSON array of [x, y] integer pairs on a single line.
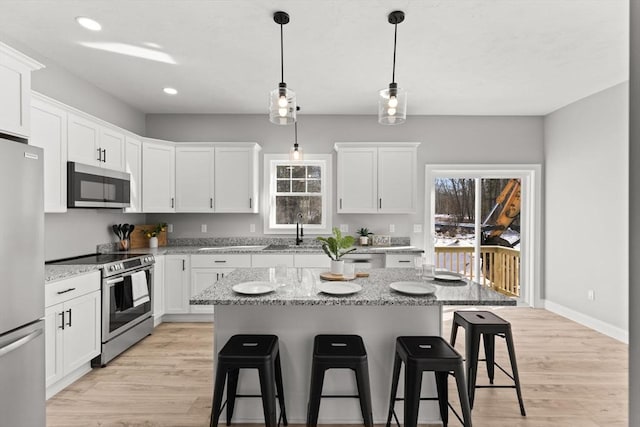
[[588, 321], [189, 317], [67, 380]]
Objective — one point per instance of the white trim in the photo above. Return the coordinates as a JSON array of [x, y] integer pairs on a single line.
[[67, 380], [531, 218], [326, 161], [588, 321], [21, 57]]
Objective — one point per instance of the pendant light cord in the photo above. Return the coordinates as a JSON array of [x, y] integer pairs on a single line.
[[295, 127], [282, 55], [395, 38]]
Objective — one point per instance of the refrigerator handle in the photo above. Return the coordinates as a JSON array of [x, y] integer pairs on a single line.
[[19, 342]]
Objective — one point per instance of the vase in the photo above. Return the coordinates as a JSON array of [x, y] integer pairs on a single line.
[[337, 267], [364, 240], [124, 244], [153, 242]]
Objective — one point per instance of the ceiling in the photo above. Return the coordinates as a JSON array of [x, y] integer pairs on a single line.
[[469, 57]]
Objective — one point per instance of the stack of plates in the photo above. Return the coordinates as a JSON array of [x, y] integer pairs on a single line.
[[339, 288], [413, 288], [254, 288], [447, 276]]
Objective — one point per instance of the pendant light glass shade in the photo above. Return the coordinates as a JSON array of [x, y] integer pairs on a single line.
[[282, 108], [282, 105], [392, 105]]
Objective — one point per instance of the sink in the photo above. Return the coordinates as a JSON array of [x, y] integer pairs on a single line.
[[276, 247]]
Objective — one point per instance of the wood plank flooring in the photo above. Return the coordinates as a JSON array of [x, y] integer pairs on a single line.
[[571, 376]]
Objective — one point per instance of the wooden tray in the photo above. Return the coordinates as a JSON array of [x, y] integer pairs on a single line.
[[339, 277], [138, 241]]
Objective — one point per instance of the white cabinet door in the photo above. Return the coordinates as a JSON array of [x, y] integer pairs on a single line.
[[312, 261], [83, 143], [49, 132], [397, 180], [81, 330], [112, 146], [158, 177], [271, 260], [236, 179], [158, 289], [194, 179], [357, 180], [201, 279], [15, 90], [133, 166], [176, 284], [53, 343]]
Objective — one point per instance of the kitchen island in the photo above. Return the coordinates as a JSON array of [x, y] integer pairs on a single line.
[[296, 312]]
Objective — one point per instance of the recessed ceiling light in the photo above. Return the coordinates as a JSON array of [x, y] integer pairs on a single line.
[[89, 23], [170, 91], [131, 50]]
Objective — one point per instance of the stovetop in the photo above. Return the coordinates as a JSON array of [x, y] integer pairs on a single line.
[[112, 264]]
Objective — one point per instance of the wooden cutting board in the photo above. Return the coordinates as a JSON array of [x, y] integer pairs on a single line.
[[339, 277], [138, 241]]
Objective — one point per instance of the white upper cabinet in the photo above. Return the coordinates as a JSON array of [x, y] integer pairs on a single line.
[[15, 91], [377, 177], [94, 144], [133, 166], [236, 179], [194, 178], [49, 132], [158, 176]]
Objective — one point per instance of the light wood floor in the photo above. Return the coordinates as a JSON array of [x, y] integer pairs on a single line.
[[571, 376]]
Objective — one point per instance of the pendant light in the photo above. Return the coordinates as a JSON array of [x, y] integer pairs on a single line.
[[295, 154], [282, 108], [392, 101]]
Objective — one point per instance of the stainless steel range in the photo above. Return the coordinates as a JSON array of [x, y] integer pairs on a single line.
[[127, 300]]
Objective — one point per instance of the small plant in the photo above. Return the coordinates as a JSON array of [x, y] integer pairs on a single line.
[[337, 246], [159, 228], [364, 232]]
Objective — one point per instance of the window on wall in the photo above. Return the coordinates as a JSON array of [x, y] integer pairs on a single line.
[[297, 192]]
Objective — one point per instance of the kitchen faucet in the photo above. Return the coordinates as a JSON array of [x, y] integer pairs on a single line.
[[299, 230]]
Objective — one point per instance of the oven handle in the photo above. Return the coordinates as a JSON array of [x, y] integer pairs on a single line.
[[111, 282]]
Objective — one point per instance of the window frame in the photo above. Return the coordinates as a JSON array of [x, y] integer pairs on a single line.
[[271, 161]]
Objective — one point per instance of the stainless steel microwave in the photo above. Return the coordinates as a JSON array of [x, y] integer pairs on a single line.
[[94, 187]]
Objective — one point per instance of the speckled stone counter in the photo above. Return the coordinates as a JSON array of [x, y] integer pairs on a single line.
[[54, 273], [376, 313], [375, 291], [259, 249]]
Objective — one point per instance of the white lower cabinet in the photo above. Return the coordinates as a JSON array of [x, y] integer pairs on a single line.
[[158, 289], [72, 328], [201, 279], [312, 261], [176, 284], [399, 260], [271, 260]]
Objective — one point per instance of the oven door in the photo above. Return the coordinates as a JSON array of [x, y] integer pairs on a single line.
[[119, 312], [93, 187]]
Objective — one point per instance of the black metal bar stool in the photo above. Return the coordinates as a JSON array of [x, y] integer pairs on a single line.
[[334, 352], [489, 325], [421, 354], [250, 352]]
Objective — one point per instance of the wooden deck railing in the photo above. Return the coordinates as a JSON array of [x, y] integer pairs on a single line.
[[499, 265]]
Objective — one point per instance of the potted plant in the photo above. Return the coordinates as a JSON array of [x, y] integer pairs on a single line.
[[152, 234], [336, 247], [364, 234]]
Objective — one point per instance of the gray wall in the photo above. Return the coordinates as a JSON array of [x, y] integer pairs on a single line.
[[79, 231], [445, 139], [634, 213], [586, 206]]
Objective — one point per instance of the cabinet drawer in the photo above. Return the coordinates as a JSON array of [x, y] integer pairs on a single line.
[[72, 287], [312, 261], [271, 260], [400, 260], [221, 260]]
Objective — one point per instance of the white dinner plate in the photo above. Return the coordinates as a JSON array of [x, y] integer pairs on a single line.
[[447, 276], [254, 288], [413, 288], [339, 288]]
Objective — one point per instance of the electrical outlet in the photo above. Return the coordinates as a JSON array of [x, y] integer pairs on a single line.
[[417, 228], [392, 228], [344, 228], [203, 228], [591, 295], [252, 228], [170, 228]]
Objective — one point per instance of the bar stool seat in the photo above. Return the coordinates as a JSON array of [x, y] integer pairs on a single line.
[[420, 354], [488, 325], [335, 352], [259, 352]]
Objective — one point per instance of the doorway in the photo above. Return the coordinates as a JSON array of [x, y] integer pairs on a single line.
[[483, 221]]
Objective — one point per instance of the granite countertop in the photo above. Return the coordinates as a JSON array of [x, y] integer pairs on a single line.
[[375, 291], [54, 273]]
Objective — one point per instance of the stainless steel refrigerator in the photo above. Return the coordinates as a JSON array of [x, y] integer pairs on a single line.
[[22, 342]]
